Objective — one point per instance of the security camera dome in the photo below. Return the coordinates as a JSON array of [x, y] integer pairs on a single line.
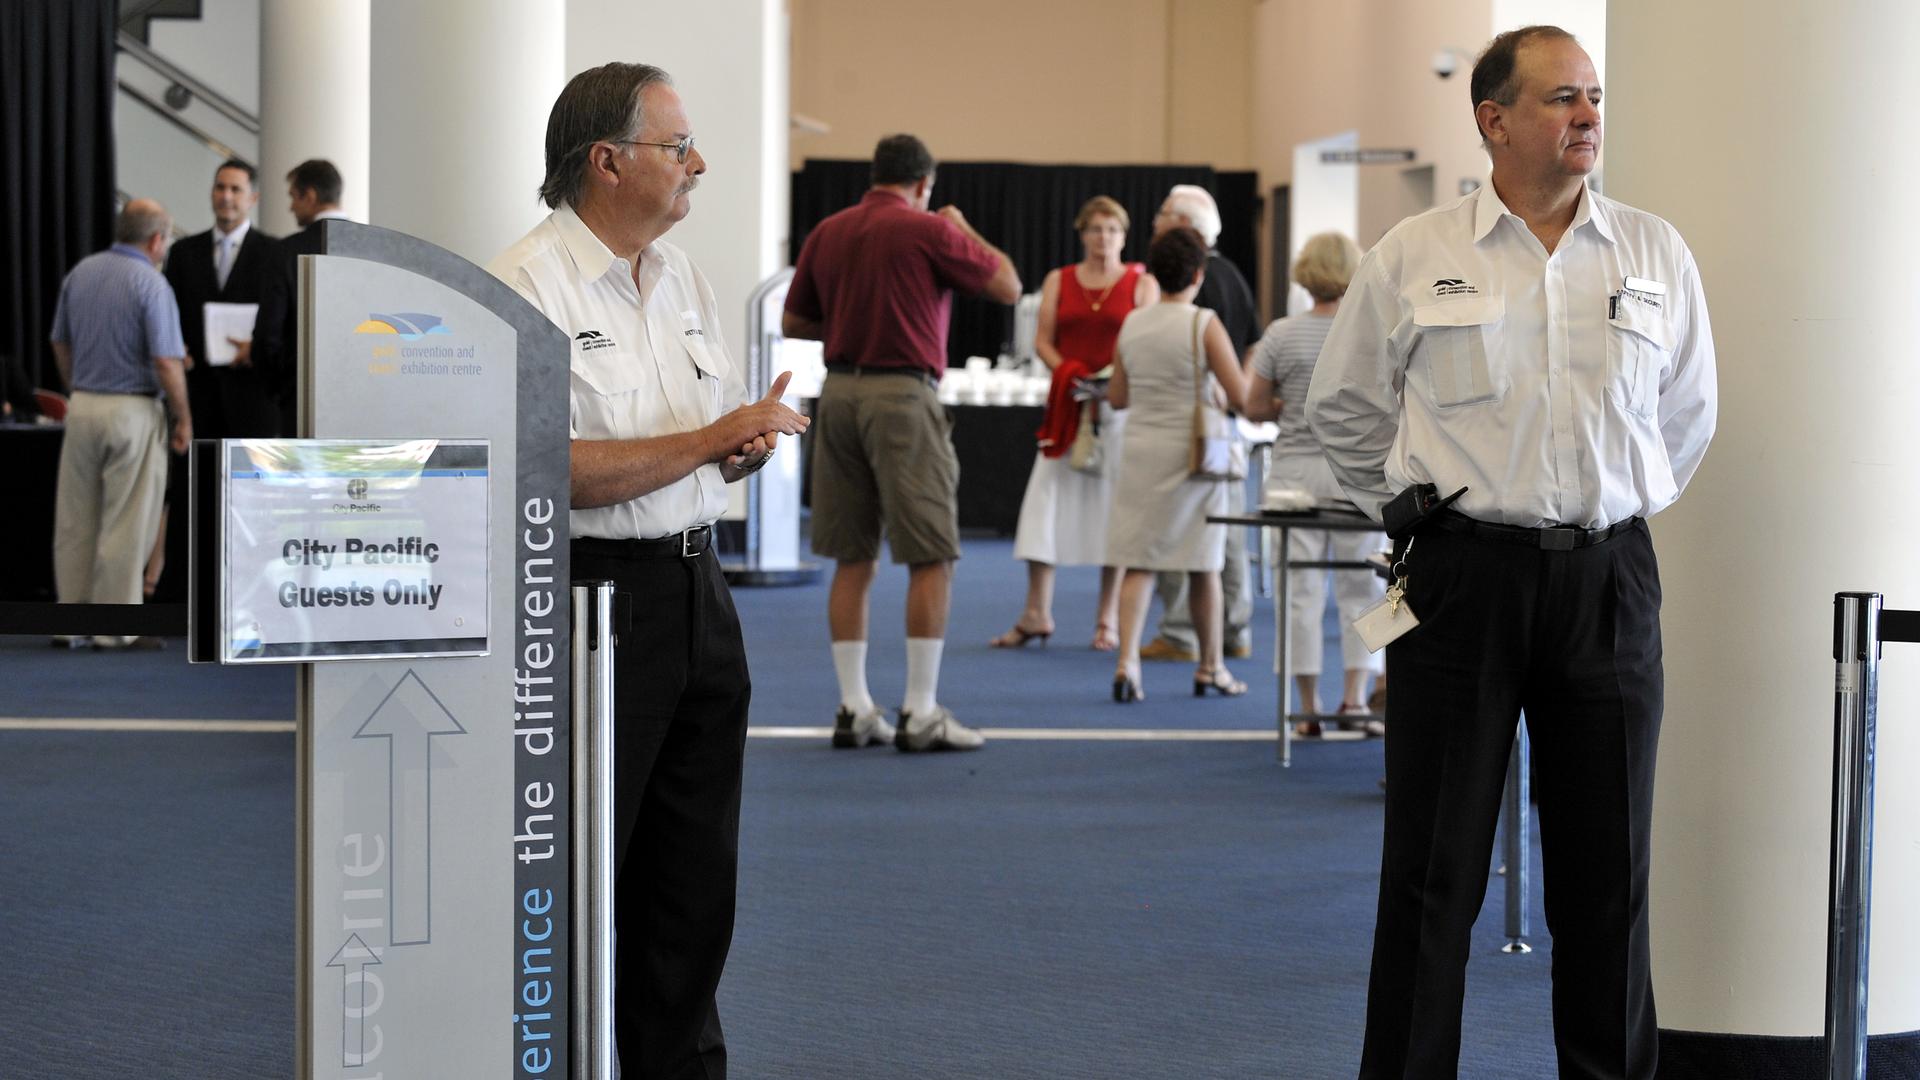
[[1445, 63]]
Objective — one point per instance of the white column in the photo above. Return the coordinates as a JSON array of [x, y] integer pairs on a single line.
[[461, 92], [313, 100], [1773, 141]]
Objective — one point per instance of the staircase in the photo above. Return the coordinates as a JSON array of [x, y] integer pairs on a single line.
[[172, 128]]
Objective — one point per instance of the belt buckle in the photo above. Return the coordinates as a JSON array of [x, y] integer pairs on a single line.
[[1558, 539], [686, 543]]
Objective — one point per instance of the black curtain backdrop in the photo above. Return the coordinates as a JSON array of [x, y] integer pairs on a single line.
[[56, 163], [1027, 211]]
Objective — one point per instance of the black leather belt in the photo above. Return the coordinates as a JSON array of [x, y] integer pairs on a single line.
[[855, 369], [683, 545], [1557, 538]]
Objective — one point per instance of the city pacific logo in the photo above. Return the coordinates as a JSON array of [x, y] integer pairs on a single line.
[[409, 325]]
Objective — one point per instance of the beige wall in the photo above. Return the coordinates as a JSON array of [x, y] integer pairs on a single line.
[[1367, 66], [1075, 81]]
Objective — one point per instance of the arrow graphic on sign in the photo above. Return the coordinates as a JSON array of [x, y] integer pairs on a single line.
[[353, 958], [410, 717]]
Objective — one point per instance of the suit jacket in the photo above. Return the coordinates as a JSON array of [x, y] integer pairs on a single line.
[[228, 402], [276, 331]]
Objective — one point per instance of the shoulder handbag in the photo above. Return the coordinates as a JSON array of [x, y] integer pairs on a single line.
[[1213, 456], [1087, 454]]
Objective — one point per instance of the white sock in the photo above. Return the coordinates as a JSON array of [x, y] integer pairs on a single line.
[[850, 666], [923, 674]]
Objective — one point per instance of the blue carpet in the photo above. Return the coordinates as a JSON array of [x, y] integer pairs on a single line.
[[146, 906], [1077, 910], [1111, 910]]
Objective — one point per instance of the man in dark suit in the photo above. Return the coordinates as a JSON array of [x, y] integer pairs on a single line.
[[313, 193], [228, 263]]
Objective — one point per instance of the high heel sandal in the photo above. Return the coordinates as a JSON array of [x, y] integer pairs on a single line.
[[1220, 681], [1018, 637], [1126, 688]]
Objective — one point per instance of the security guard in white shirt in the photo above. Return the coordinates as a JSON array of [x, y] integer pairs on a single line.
[[1548, 350], [659, 429]]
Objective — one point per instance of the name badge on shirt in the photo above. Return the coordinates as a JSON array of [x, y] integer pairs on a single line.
[[1644, 291]]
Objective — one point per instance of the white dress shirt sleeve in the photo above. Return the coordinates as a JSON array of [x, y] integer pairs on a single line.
[[1353, 403], [1689, 398]]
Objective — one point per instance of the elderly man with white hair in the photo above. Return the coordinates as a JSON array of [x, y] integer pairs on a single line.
[[1223, 291]]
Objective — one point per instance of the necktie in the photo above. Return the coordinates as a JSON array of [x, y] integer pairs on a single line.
[[223, 261]]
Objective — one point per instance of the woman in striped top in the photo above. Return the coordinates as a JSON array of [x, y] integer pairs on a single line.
[[1282, 367]]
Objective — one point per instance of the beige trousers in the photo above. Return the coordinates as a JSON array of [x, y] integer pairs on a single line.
[[113, 479]]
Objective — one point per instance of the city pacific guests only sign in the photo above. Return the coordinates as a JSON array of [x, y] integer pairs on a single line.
[[353, 548]]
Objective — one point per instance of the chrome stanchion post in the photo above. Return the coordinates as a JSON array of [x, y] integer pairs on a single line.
[[1517, 848], [1856, 652], [1282, 648], [758, 378], [593, 830], [1259, 459]]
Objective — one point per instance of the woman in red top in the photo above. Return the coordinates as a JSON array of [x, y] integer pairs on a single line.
[[1063, 518]]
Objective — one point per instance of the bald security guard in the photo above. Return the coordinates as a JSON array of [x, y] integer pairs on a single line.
[[1548, 350]]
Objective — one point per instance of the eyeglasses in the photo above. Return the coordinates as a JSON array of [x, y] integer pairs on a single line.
[[680, 147]]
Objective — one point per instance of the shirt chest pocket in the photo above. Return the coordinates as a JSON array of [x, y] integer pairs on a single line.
[[1454, 350], [1639, 342], [711, 368], [611, 398]]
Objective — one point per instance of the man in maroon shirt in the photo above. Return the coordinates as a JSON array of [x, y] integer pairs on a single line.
[[875, 283]]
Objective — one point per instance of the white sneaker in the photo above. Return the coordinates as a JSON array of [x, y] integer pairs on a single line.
[[852, 732], [938, 731]]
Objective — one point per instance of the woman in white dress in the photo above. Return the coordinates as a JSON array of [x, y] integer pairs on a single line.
[[1282, 369], [1063, 518], [1159, 518]]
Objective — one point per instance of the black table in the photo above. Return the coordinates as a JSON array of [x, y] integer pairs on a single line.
[[995, 445], [29, 473]]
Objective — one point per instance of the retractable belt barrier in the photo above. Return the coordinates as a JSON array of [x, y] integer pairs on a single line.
[[129, 620], [1859, 626]]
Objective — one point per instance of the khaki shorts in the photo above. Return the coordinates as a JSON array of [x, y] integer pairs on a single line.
[[883, 458]]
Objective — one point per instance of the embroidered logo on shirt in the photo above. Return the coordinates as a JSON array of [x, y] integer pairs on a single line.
[[696, 330], [1646, 299], [589, 340], [1453, 286]]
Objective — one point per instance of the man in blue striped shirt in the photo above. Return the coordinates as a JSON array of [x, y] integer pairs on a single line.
[[116, 339]]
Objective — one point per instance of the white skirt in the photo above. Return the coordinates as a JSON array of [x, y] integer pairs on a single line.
[[1063, 517]]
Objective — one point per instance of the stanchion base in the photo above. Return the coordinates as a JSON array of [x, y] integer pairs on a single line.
[[740, 575], [1516, 948]]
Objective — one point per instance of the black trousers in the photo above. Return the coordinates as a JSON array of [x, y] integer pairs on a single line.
[[1573, 639], [680, 706]]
